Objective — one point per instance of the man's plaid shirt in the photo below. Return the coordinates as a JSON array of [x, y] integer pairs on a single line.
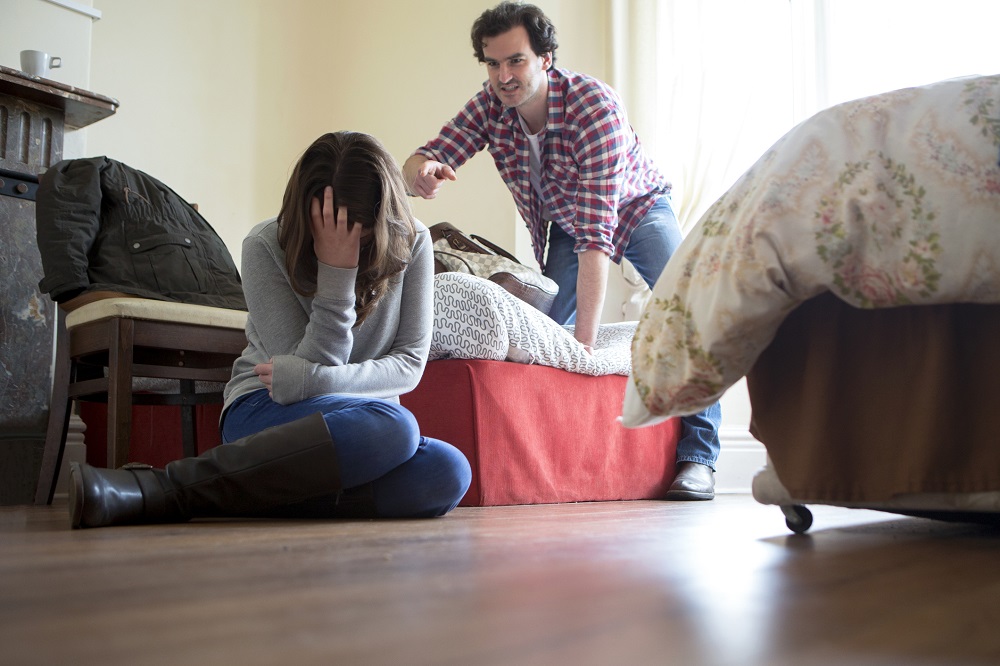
[[597, 182]]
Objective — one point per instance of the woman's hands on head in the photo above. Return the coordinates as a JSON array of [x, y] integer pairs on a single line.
[[337, 241]]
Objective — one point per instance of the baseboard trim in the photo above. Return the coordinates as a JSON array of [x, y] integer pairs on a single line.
[[739, 460]]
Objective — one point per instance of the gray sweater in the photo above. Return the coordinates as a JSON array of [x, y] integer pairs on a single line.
[[314, 343]]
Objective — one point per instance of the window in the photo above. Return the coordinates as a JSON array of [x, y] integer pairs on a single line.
[[731, 76]]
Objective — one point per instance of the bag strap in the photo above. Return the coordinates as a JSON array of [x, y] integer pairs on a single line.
[[438, 230], [455, 238], [467, 243], [496, 248]]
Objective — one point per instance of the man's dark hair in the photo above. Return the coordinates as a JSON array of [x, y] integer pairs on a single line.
[[507, 16]]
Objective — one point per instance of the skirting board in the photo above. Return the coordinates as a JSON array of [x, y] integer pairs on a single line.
[[741, 457]]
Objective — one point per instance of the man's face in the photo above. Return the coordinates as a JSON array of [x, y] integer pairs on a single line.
[[516, 73]]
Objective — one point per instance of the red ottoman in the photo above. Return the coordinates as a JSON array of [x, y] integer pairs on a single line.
[[537, 435]]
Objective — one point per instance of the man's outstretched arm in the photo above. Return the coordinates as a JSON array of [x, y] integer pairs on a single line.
[[424, 177]]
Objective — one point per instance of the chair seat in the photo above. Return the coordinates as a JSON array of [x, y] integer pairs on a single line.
[[152, 310]]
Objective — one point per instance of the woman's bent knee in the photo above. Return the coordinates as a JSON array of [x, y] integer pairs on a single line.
[[453, 482], [430, 484]]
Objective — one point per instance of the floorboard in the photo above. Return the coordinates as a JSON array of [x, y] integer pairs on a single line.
[[720, 582]]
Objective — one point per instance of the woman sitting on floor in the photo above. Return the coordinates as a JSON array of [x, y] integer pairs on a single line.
[[339, 289]]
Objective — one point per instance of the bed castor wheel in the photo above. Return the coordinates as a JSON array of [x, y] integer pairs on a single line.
[[798, 518]]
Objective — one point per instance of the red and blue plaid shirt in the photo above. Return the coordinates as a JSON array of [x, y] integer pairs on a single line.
[[597, 182]]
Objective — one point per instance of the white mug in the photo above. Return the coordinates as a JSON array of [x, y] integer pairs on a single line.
[[38, 63]]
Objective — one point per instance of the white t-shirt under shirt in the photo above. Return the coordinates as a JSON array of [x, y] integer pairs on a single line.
[[535, 155]]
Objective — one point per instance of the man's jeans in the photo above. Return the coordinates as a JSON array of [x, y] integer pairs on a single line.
[[651, 244]]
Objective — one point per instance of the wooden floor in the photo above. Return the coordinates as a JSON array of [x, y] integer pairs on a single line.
[[720, 582]]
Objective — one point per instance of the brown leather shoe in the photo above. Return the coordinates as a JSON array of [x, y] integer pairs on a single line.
[[694, 481]]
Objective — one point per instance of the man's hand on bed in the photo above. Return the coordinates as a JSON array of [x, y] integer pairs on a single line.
[[587, 341]]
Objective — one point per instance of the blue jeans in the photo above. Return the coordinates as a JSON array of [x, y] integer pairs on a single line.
[[375, 441], [651, 244]]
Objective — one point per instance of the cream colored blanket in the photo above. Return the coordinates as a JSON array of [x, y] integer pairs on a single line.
[[885, 201]]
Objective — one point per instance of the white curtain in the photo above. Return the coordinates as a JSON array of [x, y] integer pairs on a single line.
[[711, 84], [708, 88]]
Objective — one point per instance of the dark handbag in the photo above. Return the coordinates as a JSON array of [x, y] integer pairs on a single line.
[[458, 252]]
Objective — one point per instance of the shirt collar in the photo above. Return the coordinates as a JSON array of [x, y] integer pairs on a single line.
[[557, 103]]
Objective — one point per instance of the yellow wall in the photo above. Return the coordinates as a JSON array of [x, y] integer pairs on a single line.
[[219, 97]]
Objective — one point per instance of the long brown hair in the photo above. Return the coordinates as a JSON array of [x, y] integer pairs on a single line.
[[367, 181]]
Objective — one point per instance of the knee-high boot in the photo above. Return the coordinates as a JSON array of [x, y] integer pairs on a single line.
[[283, 465]]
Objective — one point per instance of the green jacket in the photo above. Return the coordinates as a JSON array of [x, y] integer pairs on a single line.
[[104, 226]]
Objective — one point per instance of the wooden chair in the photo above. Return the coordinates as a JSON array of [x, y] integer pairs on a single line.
[[104, 341]]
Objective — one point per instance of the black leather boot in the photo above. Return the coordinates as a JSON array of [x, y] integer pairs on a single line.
[[357, 502], [283, 465]]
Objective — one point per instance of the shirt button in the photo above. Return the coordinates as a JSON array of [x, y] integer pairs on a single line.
[[135, 246]]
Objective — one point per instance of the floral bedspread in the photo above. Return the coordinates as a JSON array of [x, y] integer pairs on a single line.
[[885, 201]]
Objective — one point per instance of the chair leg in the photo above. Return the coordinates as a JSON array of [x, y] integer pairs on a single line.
[[189, 433], [120, 391], [59, 413]]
